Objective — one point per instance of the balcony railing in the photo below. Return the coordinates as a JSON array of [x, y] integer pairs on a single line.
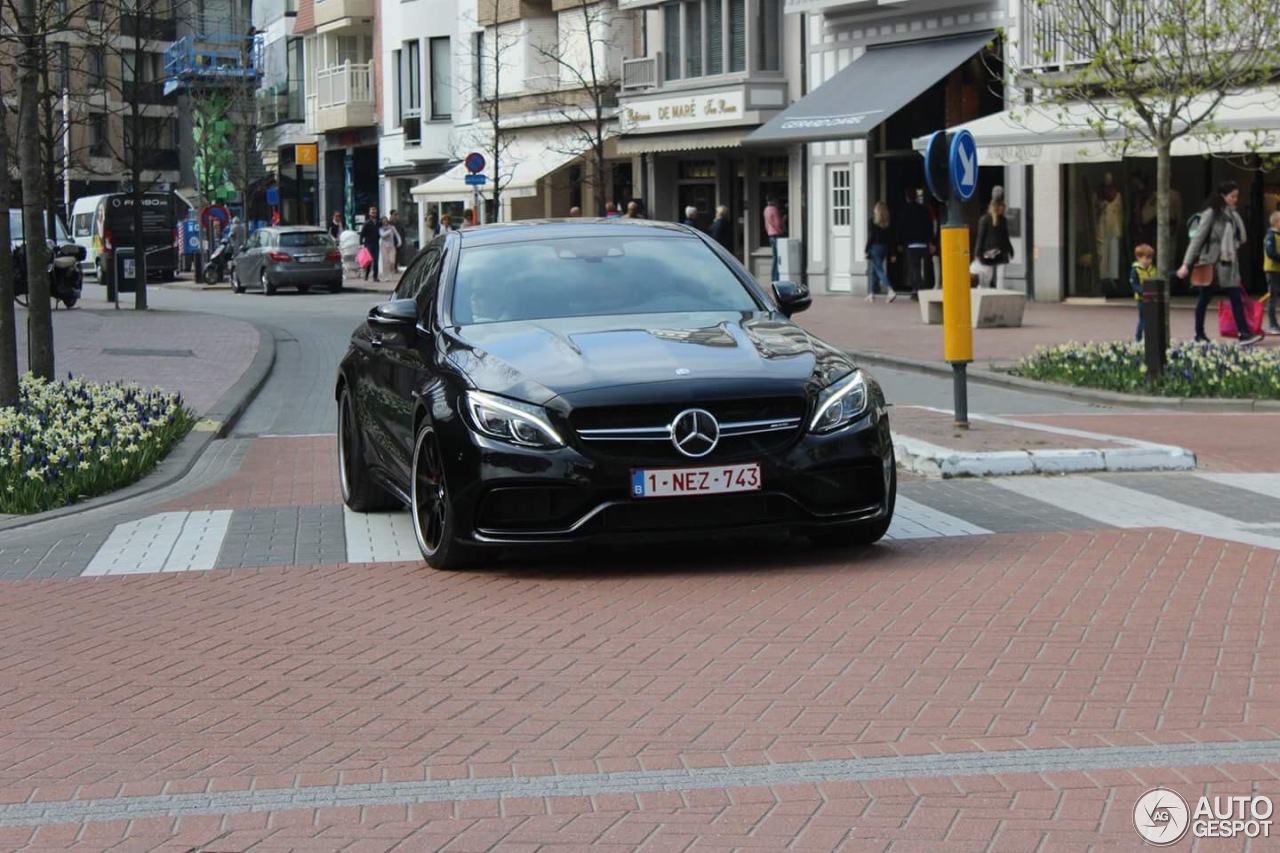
[[642, 73], [1053, 38], [148, 27], [278, 107], [212, 60], [148, 92], [344, 84]]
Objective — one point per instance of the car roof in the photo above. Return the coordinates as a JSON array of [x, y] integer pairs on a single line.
[[295, 229], [553, 229]]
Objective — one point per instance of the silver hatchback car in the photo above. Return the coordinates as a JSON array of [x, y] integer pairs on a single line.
[[298, 256]]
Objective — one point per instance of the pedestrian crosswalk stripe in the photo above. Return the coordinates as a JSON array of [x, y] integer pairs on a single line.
[[914, 520], [1267, 485], [165, 542], [1119, 506], [379, 537]]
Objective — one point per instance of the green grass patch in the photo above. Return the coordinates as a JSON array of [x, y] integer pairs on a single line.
[[1194, 370], [68, 441]]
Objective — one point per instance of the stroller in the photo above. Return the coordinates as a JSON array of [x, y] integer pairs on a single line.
[[349, 246]]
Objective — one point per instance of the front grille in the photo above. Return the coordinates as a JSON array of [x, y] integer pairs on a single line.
[[531, 508], [641, 434]]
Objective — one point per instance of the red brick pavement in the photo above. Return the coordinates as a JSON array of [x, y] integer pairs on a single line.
[[319, 675], [223, 349], [275, 472], [1222, 442], [896, 329]]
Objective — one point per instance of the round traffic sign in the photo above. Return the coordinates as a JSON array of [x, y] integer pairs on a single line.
[[475, 162], [214, 211], [935, 166], [964, 165]]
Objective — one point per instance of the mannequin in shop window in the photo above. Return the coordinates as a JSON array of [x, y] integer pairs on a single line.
[[1109, 214], [1143, 222]]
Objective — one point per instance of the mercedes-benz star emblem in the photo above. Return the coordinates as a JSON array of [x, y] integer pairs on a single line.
[[695, 432]]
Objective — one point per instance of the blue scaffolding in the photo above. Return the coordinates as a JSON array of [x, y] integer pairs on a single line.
[[212, 60]]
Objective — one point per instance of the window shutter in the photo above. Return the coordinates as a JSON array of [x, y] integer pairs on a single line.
[[671, 40], [737, 35], [693, 39], [715, 36]]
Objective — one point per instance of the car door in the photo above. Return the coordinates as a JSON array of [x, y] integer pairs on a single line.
[[389, 351], [246, 261]]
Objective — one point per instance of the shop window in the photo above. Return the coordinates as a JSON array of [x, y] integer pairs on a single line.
[[774, 168], [841, 197], [697, 169]]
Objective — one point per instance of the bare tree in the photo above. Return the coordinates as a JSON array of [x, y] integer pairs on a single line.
[[586, 59], [1142, 76], [8, 316], [488, 134]]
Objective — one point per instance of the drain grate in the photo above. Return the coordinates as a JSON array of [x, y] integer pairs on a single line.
[[163, 353]]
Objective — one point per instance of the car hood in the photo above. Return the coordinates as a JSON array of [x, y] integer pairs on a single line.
[[574, 357]]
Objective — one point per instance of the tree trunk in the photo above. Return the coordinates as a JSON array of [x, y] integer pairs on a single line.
[[135, 161], [39, 313], [1166, 244], [8, 317]]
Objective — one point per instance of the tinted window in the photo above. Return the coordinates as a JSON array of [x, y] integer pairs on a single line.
[[410, 284], [15, 228], [592, 276], [307, 238]]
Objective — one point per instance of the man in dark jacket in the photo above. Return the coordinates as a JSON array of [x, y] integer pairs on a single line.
[[369, 237], [915, 228], [722, 229]]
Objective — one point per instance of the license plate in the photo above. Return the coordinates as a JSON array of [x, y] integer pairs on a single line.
[[310, 259], [680, 482]]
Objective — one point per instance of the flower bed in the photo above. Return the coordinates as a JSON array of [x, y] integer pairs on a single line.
[[1194, 370], [67, 441]]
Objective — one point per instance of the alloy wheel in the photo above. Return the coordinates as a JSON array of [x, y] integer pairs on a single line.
[[430, 507], [348, 451]]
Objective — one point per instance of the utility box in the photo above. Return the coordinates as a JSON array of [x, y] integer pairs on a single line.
[[124, 264], [790, 259]]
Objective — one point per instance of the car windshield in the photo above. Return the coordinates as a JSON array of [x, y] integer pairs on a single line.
[[16, 232], [306, 239], [593, 276]]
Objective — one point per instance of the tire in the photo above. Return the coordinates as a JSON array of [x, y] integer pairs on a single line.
[[336, 287], [865, 533], [212, 274], [268, 288], [236, 285], [359, 492], [432, 509], [304, 288]]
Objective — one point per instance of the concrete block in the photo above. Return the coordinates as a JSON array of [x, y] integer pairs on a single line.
[[1154, 458], [930, 307], [1068, 461], [997, 308], [1000, 463]]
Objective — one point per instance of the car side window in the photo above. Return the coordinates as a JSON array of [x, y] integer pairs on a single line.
[[414, 277]]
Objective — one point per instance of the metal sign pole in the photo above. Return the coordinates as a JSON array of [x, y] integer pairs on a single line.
[[957, 328]]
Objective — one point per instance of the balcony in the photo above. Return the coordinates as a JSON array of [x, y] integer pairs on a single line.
[[642, 73], [343, 98], [148, 27], [148, 92], [275, 108], [332, 11], [162, 160], [212, 60]]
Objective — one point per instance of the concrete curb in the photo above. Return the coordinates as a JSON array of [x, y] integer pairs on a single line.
[[931, 460], [215, 424], [1089, 395]]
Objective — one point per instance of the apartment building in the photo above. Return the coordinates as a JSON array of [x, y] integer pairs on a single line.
[[706, 75], [341, 71], [536, 96], [417, 92], [289, 150]]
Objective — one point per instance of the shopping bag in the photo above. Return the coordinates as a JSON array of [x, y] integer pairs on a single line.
[[364, 257], [1227, 319]]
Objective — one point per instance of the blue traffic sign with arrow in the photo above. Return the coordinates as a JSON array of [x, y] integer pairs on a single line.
[[964, 164]]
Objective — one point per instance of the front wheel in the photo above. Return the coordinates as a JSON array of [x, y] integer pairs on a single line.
[[433, 520], [359, 492], [267, 287], [865, 533], [212, 274]]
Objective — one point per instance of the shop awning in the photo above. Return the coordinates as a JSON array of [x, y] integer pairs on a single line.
[[529, 157], [670, 142], [1077, 133], [868, 90]]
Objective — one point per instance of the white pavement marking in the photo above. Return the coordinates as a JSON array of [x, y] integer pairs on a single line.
[[1267, 485], [166, 542], [1119, 506], [914, 520], [379, 537]]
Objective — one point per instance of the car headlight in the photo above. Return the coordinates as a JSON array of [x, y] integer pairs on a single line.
[[841, 404], [511, 421]]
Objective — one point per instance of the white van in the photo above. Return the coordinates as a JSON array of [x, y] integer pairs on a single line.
[[83, 213]]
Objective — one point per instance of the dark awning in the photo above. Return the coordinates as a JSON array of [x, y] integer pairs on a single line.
[[868, 90]]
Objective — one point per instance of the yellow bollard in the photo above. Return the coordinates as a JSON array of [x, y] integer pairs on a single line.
[[957, 325]]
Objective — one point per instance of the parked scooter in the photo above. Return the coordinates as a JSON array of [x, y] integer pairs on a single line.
[[65, 278], [219, 261]]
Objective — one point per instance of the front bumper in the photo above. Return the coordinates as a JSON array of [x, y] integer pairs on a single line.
[[509, 495]]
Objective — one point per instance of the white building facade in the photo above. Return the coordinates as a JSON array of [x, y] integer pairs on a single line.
[[879, 78]]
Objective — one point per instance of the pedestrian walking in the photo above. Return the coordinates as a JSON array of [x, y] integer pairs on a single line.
[[992, 249], [633, 211], [915, 228], [388, 244], [369, 239], [336, 226], [775, 227], [610, 210], [690, 217], [879, 251], [1144, 270], [722, 228], [1271, 269], [433, 225], [1214, 255], [394, 219]]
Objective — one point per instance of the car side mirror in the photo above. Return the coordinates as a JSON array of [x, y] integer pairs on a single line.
[[395, 314], [792, 298]]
